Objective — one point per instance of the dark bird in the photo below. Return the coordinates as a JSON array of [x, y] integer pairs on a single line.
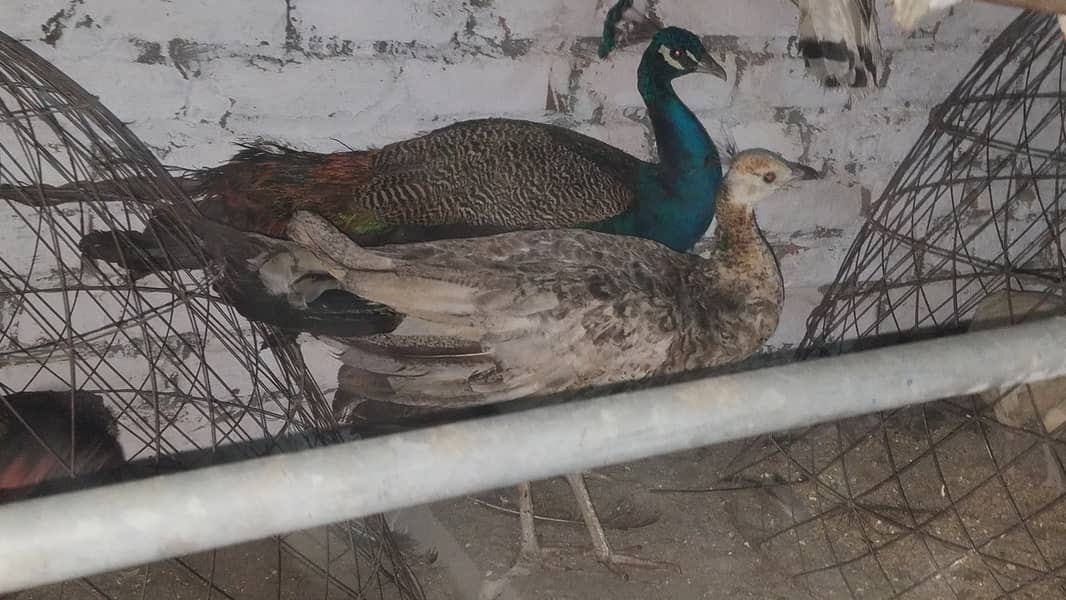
[[838, 39], [54, 435], [472, 178], [533, 313]]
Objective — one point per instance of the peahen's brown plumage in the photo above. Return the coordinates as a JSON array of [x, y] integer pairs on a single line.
[[537, 312]]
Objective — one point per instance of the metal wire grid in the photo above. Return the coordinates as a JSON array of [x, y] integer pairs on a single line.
[[947, 500], [180, 370]]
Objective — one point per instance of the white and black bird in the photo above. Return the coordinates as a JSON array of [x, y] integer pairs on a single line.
[[840, 43]]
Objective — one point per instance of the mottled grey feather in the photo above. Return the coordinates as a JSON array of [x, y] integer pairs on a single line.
[[548, 311]]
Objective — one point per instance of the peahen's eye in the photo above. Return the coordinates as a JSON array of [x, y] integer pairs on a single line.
[[769, 177]]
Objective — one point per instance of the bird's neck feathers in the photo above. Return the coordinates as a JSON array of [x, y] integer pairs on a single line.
[[678, 193], [682, 141], [652, 81], [737, 238]]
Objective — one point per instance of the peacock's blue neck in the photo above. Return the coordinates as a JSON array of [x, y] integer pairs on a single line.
[[675, 198], [682, 141]]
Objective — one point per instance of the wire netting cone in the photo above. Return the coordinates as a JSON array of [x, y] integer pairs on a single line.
[[179, 370], [963, 498]]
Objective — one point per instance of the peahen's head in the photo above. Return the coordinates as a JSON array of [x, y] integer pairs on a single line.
[[627, 24], [674, 52], [756, 173]]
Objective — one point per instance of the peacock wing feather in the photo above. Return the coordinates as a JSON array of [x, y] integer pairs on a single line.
[[498, 174]]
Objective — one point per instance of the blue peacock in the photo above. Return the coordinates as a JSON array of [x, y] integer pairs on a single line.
[[469, 179]]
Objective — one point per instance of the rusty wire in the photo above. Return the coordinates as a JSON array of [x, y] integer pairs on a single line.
[[180, 370], [946, 500]]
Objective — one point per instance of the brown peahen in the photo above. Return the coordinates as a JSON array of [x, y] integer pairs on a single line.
[[532, 313]]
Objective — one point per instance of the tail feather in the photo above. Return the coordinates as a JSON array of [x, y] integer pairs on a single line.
[[412, 287], [162, 246], [335, 312], [265, 183], [357, 386], [422, 372], [412, 360], [839, 42]]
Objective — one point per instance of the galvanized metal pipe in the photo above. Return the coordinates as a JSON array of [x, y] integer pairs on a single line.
[[82, 533]]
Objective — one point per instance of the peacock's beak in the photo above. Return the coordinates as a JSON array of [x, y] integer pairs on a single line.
[[803, 172], [711, 67]]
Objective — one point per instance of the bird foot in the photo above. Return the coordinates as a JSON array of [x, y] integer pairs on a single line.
[[1053, 478], [616, 562], [575, 557]]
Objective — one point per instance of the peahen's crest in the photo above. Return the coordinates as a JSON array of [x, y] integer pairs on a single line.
[[727, 146]]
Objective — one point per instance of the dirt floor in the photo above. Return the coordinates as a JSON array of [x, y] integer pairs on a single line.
[[693, 531], [927, 504]]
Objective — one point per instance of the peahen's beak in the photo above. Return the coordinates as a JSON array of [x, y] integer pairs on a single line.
[[803, 172], [711, 67]]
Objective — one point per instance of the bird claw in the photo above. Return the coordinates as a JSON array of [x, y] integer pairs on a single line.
[[569, 558], [616, 561]]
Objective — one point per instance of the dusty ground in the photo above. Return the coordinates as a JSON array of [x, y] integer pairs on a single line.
[[921, 506], [693, 531]]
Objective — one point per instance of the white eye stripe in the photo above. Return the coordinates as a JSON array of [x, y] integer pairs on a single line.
[[670, 60], [691, 55]]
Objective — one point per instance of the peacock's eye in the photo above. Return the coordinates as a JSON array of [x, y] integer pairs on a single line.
[[769, 177], [675, 53]]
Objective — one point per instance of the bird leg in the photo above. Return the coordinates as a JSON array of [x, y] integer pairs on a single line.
[[610, 559], [1054, 470], [533, 553], [530, 550]]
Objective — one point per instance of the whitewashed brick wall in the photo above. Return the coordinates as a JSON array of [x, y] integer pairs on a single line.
[[193, 76]]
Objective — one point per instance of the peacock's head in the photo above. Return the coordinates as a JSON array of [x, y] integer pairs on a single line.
[[674, 52], [626, 25], [756, 173]]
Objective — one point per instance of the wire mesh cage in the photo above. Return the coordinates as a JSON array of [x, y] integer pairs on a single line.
[[963, 498], [91, 357]]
